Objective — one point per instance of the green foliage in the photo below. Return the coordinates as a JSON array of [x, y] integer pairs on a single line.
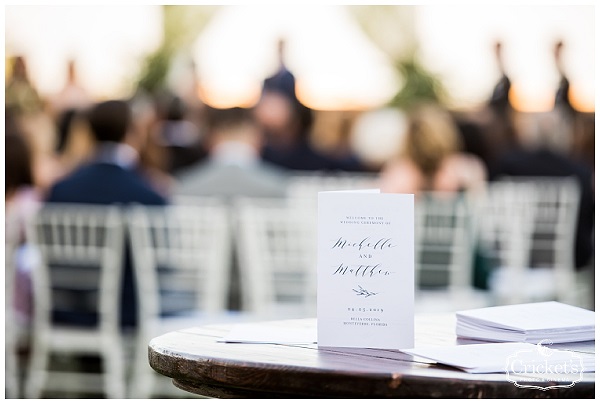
[[154, 71], [181, 26], [392, 29], [419, 86]]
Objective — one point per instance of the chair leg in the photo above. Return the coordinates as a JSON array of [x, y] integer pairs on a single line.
[[37, 372], [142, 380], [12, 372], [114, 372]]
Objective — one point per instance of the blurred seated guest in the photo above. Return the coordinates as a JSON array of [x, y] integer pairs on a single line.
[[430, 158], [286, 126], [233, 166], [538, 157], [287, 123], [152, 162], [111, 177], [474, 140], [179, 136], [22, 200]]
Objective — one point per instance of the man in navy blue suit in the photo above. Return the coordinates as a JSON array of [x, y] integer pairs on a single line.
[[112, 177]]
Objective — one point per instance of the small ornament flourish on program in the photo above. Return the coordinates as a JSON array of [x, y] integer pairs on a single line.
[[363, 292]]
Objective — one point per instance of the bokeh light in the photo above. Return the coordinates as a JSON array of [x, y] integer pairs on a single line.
[[336, 65], [108, 44], [457, 43]]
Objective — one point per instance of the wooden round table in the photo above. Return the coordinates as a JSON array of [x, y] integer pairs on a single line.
[[199, 363]]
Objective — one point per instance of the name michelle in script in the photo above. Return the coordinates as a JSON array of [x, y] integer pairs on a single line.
[[365, 243]]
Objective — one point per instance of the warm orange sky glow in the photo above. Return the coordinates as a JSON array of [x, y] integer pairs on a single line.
[[336, 65], [107, 42], [457, 43]]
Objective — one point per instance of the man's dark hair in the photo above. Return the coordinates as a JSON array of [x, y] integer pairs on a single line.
[[110, 120]]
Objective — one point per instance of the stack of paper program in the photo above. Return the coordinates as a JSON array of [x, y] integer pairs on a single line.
[[529, 322], [504, 357]]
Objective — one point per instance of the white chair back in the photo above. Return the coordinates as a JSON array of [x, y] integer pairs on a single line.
[[276, 243], [528, 227], [444, 250], [303, 186], [443, 246], [181, 256], [182, 260], [80, 271], [11, 330]]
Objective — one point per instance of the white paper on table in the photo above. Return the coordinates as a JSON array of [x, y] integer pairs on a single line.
[[365, 293], [500, 357], [582, 346], [262, 333], [533, 316], [528, 322]]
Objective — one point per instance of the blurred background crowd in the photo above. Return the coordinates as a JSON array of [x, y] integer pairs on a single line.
[[341, 92], [233, 100]]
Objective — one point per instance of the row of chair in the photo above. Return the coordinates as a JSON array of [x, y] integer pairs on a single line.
[[182, 257], [521, 229]]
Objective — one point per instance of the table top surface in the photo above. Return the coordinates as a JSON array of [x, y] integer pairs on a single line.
[[198, 362]]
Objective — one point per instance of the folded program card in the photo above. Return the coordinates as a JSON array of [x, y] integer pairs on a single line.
[[365, 293]]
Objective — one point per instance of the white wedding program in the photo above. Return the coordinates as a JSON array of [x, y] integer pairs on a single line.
[[365, 294]]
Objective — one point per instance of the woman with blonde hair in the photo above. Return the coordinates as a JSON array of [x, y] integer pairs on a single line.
[[431, 158]]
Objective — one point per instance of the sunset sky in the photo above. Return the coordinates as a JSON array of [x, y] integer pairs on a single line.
[[336, 64]]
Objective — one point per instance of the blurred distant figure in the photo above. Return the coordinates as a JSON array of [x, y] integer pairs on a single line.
[[499, 100], [73, 95], [563, 108], [562, 100], [286, 124], [179, 136], [234, 166], [431, 157], [112, 177], [21, 96], [69, 101], [283, 81], [500, 133]]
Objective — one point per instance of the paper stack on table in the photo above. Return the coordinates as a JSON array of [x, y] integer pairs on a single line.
[[507, 357], [545, 341], [529, 322]]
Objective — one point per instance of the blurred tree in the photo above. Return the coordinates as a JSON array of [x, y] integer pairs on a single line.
[[181, 26], [392, 29], [419, 85]]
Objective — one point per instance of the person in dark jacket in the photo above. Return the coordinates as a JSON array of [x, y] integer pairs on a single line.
[[111, 177]]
